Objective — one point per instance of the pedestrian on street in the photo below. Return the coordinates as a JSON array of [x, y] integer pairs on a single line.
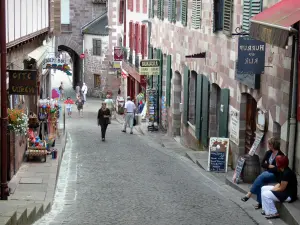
[[69, 106], [84, 90], [129, 114], [103, 119], [109, 104], [79, 104], [77, 89], [62, 91]]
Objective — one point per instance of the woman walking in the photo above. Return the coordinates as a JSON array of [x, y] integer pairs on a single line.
[[103, 119]]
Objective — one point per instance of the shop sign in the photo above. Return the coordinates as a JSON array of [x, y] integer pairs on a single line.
[[22, 82], [150, 67], [251, 61], [258, 137], [234, 125], [118, 54], [218, 154], [56, 64]]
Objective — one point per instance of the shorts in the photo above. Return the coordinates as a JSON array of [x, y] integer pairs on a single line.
[[69, 110]]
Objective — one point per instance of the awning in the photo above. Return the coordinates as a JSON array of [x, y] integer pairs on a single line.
[[39, 54], [124, 74], [274, 24]]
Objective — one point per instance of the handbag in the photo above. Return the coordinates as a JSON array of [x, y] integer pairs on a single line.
[[134, 121]]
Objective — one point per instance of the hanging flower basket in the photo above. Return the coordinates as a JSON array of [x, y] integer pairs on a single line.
[[17, 121]]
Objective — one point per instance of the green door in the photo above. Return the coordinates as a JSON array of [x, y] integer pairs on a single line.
[[223, 113], [205, 111], [198, 107], [186, 95], [168, 81]]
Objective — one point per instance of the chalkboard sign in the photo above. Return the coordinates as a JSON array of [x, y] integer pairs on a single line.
[[258, 137], [218, 154], [238, 170], [217, 161]]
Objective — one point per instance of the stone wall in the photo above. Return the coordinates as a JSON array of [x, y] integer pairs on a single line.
[[219, 67]]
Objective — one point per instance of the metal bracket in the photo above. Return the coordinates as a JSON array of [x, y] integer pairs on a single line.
[[239, 31]]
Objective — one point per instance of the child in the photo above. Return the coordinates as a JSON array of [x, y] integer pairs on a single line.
[[69, 106], [79, 104]]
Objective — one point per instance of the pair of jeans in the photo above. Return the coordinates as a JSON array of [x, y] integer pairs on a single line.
[[103, 129], [129, 120], [263, 179]]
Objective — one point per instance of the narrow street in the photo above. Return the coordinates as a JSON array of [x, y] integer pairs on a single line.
[[126, 181]]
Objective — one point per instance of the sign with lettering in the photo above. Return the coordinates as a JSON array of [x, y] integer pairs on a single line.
[[118, 54], [57, 64], [218, 154], [22, 82], [238, 170], [150, 67], [234, 125], [251, 61], [258, 137]]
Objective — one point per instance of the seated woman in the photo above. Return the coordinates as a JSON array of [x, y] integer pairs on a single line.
[[269, 175], [285, 190]]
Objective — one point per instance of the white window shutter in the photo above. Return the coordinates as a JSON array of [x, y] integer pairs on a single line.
[[196, 14]]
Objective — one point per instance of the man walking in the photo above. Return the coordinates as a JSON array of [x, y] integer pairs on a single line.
[[84, 90], [62, 91], [129, 114], [103, 119]]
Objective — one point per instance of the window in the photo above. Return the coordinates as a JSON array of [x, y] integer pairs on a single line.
[[131, 35], [130, 5], [97, 47], [97, 80], [144, 43], [192, 97], [172, 11], [250, 9], [184, 6], [145, 6], [65, 11], [137, 46], [138, 5], [160, 9], [218, 15], [196, 14], [121, 12], [223, 16]]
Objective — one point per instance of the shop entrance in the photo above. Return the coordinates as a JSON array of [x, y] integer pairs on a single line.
[[175, 101], [214, 110], [250, 106]]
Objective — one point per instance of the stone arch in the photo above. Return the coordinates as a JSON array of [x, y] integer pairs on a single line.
[[175, 103], [68, 42]]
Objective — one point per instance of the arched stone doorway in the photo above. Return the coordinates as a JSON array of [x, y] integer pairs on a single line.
[[214, 110], [175, 103], [248, 111], [76, 64]]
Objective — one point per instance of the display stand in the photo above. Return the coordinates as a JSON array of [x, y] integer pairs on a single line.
[[152, 109]]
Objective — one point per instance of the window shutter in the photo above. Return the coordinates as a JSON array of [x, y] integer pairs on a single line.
[[196, 14], [174, 11], [94, 47], [168, 81], [137, 38], [198, 107], [204, 112], [159, 56], [130, 35], [184, 12], [223, 114], [227, 17], [185, 94], [138, 5], [162, 12], [250, 9], [170, 10], [129, 4], [152, 9], [159, 9], [121, 11], [145, 6], [143, 40]]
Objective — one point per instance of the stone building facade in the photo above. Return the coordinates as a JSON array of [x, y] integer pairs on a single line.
[[194, 31]]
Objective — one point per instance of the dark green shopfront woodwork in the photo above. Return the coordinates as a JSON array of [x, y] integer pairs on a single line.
[[168, 80], [223, 113], [198, 107], [205, 111], [185, 95]]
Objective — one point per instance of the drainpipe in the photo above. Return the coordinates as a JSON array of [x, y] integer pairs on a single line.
[[293, 122], [4, 186]]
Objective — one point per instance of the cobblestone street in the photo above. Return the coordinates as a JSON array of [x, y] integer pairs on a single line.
[[126, 181]]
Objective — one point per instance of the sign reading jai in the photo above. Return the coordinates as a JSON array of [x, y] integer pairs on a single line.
[[149, 67], [218, 154], [22, 82]]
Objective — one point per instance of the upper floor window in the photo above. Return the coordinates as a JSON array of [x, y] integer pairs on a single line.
[[196, 14], [65, 11], [121, 11], [130, 5], [145, 6], [250, 9], [160, 9], [184, 7], [138, 5], [97, 47], [172, 11], [223, 16]]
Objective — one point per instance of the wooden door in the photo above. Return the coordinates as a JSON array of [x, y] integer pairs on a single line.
[[251, 108]]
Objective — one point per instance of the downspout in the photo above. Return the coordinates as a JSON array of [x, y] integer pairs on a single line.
[[4, 186], [292, 120]]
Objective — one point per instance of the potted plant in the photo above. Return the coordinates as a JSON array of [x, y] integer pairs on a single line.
[[17, 121]]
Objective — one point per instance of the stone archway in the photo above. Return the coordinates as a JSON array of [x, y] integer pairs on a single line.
[[175, 103]]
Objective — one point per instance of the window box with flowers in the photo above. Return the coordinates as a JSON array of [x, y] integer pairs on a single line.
[[17, 121]]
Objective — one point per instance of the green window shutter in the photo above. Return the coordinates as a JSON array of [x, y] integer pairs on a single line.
[[196, 14], [223, 114], [160, 57], [198, 107], [168, 80], [173, 11], [170, 10], [152, 9], [162, 12], [158, 8], [205, 111], [250, 9], [227, 17], [186, 95], [184, 6]]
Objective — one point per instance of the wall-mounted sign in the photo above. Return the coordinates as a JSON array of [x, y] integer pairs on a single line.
[[251, 61], [149, 67], [118, 54], [258, 137], [261, 120], [82, 56], [234, 125], [218, 154], [22, 82], [57, 64]]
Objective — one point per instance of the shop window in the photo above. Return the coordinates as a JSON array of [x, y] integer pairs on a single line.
[[97, 47], [192, 83], [97, 80]]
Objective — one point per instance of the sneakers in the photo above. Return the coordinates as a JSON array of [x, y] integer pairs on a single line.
[[131, 132], [103, 139], [124, 131]]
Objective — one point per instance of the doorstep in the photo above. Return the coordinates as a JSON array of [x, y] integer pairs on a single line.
[[289, 212]]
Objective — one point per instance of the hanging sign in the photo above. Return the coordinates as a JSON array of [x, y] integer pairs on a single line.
[[118, 54], [22, 82], [258, 137], [150, 67], [218, 154], [251, 61], [57, 64]]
